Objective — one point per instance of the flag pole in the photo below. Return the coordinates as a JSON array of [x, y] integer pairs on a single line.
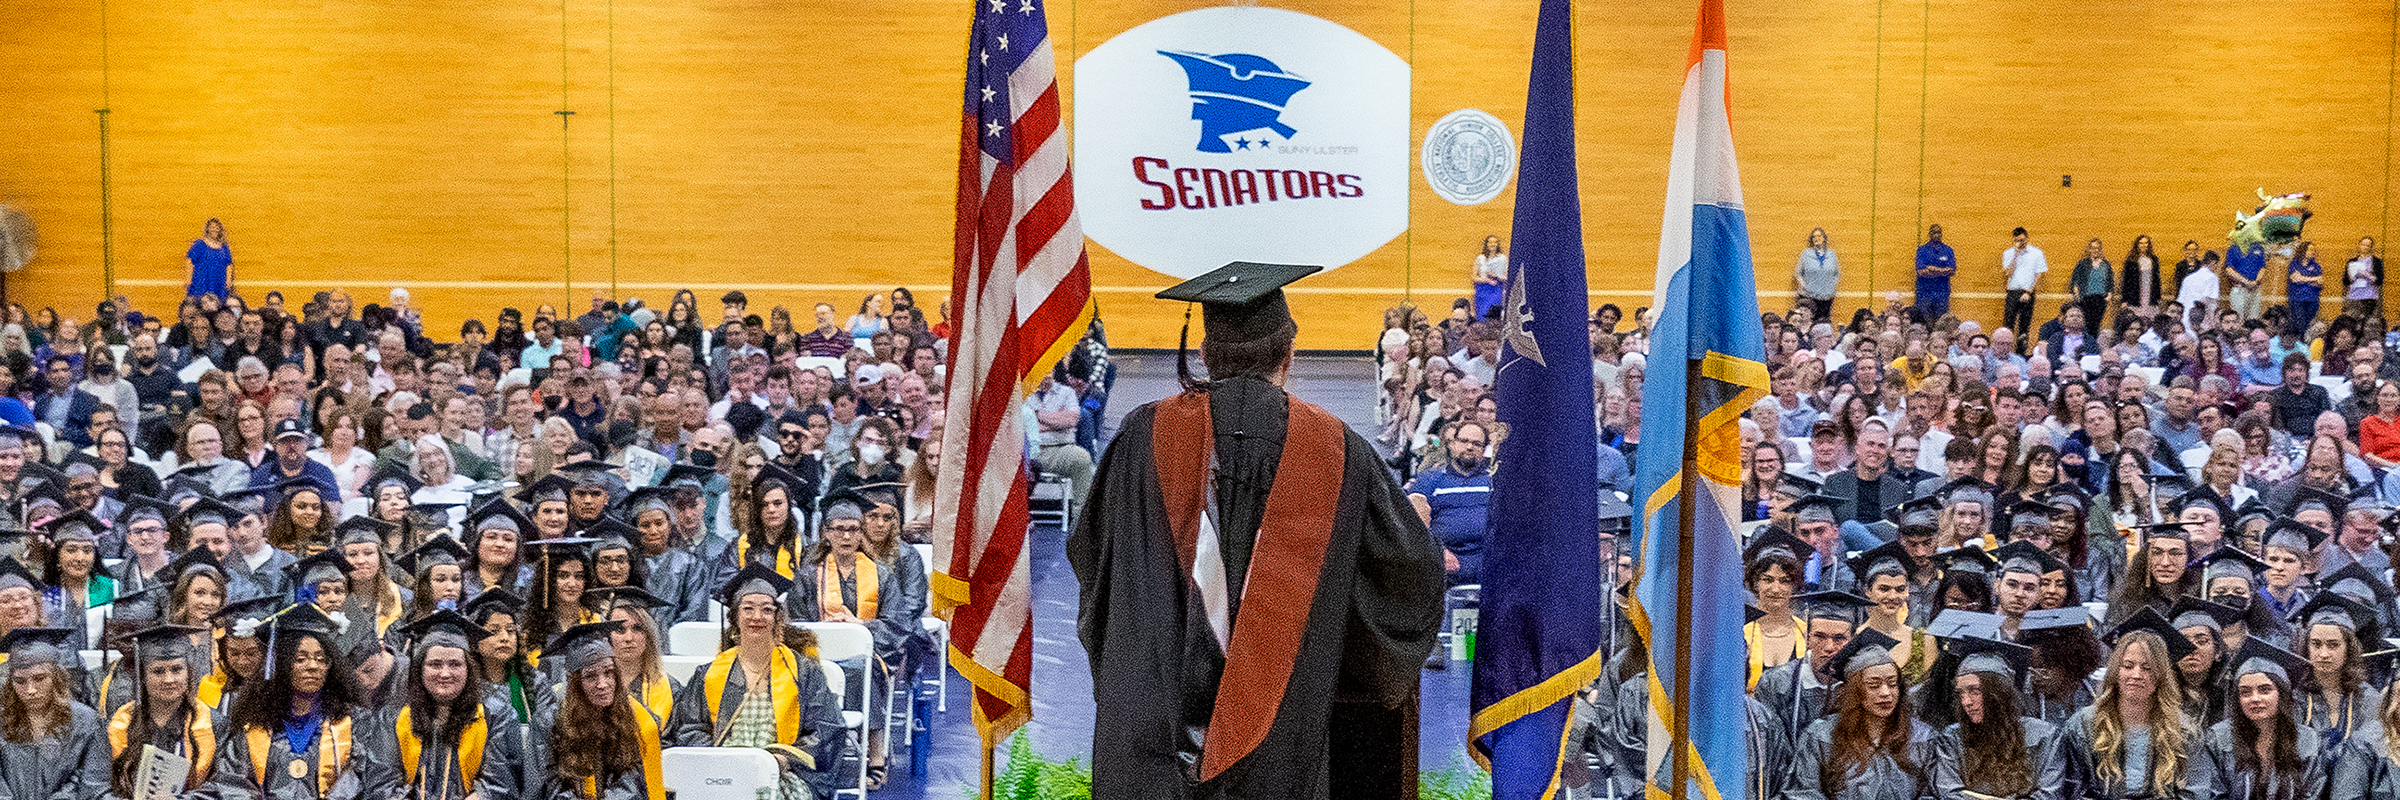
[[1679, 692]]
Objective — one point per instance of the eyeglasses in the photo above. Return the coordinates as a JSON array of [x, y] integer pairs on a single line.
[[791, 433]]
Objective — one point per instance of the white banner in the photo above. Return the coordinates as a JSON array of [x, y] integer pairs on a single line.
[[1241, 134]]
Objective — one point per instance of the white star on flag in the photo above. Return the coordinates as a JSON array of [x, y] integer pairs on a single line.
[[1003, 41], [989, 95], [994, 127]]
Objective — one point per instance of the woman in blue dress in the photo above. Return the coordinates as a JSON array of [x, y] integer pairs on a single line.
[[211, 260]]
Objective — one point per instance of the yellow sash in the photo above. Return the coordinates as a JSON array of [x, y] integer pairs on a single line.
[[389, 612], [212, 688], [782, 671], [1757, 641], [783, 557], [653, 778], [470, 747], [199, 740], [337, 741], [829, 588], [659, 698]]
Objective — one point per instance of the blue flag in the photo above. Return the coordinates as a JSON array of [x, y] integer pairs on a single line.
[[1539, 635], [1706, 368]]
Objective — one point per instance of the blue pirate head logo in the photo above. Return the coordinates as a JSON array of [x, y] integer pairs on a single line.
[[1234, 93]]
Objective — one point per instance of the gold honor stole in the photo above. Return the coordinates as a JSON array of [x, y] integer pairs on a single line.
[[1285, 563], [336, 740], [829, 588], [470, 747], [659, 698], [652, 777], [199, 740], [783, 556], [783, 670]]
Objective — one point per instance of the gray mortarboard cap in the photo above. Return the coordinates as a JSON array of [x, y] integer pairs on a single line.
[[552, 488], [250, 502], [492, 601], [2050, 618], [1888, 558], [2193, 612], [256, 608], [1957, 623], [138, 508], [649, 497], [13, 574], [753, 579], [438, 549], [2368, 587], [2148, 619], [445, 628], [1839, 605], [2167, 489], [13, 437], [2165, 530], [2205, 497], [362, 530], [2294, 535], [2328, 608], [1242, 301], [1868, 648], [2067, 495], [1797, 486], [393, 476], [844, 507], [1988, 655], [74, 526], [2029, 514], [1969, 558], [1818, 507], [612, 597], [584, 646], [2380, 666], [686, 476], [40, 646], [772, 473], [2256, 656], [2231, 562], [159, 643], [304, 619], [1964, 490], [326, 565], [1776, 540], [590, 474], [2023, 556], [2312, 497], [195, 558], [180, 487], [498, 515], [1921, 514], [2254, 509]]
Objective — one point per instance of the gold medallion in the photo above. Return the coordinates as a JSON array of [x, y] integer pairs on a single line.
[[299, 769]]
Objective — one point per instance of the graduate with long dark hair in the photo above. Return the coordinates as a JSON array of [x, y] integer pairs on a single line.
[[2259, 752], [50, 745], [166, 714], [1990, 749], [450, 740], [1872, 747], [2203, 673], [293, 736], [595, 743], [2336, 699]]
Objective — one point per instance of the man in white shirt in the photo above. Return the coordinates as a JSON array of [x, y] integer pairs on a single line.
[[741, 387], [2023, 264]]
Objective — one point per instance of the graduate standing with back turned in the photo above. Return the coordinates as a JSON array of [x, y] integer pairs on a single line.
[[1258, 595]]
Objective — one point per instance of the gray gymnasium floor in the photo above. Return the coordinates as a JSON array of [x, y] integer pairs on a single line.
[[1062, 696]]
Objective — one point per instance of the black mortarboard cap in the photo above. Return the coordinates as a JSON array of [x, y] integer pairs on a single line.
[[752, 579], [2028, 512], [393, 474], [552, 487], [2165, 530], [2226, 561], [2354, 571], [2063, 617], [160, 642], [583, 646], [1969, 558], [2195, 612], [312, 570], [2258, 656], [2292, 534], [1831, 504], [2148, 619], [1832, 605], [641, 498], [13, 571], [1797, 485], [610, 597], [437, 549], [694, 475], [40, 646], [1242, 301], [253, 608], [1750, 614], [251, 501], [74, 526], [210, 511], [195, 557], [2346, 613], [2013, 554], [1924, 513], [1958, 623], [2307, 495], [1868, 647], [446, 622], [1990, 655], [497, 513], [492, 601]]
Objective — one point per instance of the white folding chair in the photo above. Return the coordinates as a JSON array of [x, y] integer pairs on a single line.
[[1052, 498], [940, 629], [718, 771], [844, 641], [694, 638], [683, 667]]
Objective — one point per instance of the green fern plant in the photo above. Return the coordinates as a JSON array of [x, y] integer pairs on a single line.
[[1029, 776], [1459, 781]]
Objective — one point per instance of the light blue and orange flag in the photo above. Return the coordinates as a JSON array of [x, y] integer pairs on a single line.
[[1708, 330]]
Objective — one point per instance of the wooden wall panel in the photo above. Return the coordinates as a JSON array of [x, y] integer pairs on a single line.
[[804, 149]]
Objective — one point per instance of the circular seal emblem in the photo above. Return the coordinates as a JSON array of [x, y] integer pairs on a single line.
[[1468, 157]]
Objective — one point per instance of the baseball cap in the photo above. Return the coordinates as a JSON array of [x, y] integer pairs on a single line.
[[870, 374], [290, 427]]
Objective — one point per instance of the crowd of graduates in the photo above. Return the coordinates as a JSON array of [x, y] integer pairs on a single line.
[[323, 556], [2146, 559]]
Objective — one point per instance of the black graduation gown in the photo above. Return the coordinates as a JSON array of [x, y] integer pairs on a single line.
[[1345, 725]]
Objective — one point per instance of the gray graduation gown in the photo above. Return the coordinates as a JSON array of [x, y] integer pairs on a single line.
[[681, 580], [2218, 772], [1625, 741], [900, 602], [2335, 723], [1949, 784], [2067, 772], [71, 767], [369, 773], [2363, 767], [439, 772], [540, 781], [1882, 779], [243, 583], [1794, 699], [822, 735]]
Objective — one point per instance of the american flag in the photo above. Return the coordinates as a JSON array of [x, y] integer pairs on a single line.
[[1020, 293]]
